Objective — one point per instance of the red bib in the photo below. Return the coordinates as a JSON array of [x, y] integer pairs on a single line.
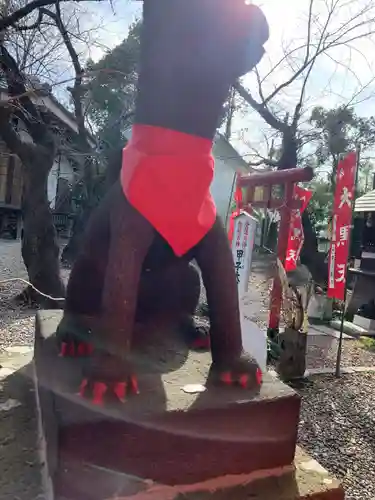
[[166, 175]]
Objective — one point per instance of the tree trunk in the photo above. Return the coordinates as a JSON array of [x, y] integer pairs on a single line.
[[73, 247], [289, 157], [40, 250]]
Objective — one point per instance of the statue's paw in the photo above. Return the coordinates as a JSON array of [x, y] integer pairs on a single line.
[[196, 336], [73, 338], [201, 340], [243, 371], [99, 392], [75, 348], [110, 379]]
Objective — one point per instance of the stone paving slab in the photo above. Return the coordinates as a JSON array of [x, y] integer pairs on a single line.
[[350, 328], [326, 330], [20, 467]]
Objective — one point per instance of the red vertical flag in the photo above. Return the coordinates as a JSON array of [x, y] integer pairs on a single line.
[[236, 212], [341, 225], [296, 237]]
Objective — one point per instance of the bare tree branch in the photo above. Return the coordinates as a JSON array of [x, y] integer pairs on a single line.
[[17, 15], [298, 108], [32, 26], [327, 41], [321, 39], [309, 24], [262, 110], [309, 60], [76, 91], [260, 89], [17, 89]]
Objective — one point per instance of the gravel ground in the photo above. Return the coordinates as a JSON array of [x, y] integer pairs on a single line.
[[337, 417], [322, 352], [16, 323], [337, 427]]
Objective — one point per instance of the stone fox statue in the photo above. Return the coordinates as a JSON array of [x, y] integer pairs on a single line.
[[160, 214]]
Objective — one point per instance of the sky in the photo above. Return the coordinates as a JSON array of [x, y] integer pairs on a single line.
[[336, 78]]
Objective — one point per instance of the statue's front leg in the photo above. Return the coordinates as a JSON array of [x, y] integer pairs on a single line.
[[230, 364], [110, 372]]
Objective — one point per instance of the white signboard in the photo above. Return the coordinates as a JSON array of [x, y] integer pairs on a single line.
[[254, 340], [242, 249]]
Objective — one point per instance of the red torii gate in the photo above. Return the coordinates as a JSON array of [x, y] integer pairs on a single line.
[[286, 178]]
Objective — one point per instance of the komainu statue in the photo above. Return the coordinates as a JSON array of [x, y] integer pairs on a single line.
[[136, 260]]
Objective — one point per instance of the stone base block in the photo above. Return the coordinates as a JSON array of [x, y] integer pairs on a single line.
[[164, 436]]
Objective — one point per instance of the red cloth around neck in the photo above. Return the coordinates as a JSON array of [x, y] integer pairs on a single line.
[[166, 175]]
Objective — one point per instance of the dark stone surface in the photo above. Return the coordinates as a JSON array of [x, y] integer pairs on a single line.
[[164, 434]]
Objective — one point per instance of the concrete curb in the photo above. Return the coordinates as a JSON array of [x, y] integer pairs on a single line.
[[17, 362], [46, 480], [331, 371]]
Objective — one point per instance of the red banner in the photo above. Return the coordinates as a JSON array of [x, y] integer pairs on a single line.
[[341, 226], [296, 237], [235, 213], [303, 195]]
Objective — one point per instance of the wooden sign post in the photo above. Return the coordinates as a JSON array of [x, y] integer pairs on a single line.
[[254, 340]]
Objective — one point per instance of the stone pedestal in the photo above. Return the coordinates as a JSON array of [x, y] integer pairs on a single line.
[[163, 443], [292, 361]]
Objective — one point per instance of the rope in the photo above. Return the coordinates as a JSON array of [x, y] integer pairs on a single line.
[[3, 282]]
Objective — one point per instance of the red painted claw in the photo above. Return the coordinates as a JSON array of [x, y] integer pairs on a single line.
[[243, 380], [69, 349], [202, 343], [81, 349], [99, 391], [120, 390], [226, 378], [134, 384], [84, 349], [64, 350]]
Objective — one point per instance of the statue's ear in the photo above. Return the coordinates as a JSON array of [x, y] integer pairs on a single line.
[[251, 48]]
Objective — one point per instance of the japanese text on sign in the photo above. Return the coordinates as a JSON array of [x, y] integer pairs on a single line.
[[341, 225], [296, 236], [242, 248]]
